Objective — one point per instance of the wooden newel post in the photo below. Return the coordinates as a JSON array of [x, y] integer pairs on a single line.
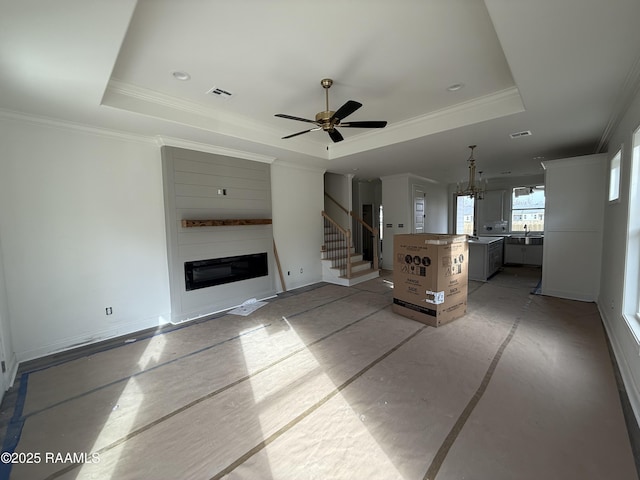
[[376, 247]]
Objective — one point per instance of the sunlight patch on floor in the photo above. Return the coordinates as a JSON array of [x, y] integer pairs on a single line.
[[121, 420], [302, 381], [153, 353]]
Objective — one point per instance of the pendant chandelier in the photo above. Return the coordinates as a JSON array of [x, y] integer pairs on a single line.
[[473, 190]]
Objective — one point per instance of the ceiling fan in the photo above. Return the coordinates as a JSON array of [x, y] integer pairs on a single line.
[[329, 120]]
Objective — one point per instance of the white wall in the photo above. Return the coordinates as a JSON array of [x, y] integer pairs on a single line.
[[82, 229], [297, 195], [610, 300], [339, 187], [436, 204], [397, 205], [7, 353], [396, 214]]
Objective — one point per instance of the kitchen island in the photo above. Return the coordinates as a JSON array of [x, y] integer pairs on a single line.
[[485, 257]]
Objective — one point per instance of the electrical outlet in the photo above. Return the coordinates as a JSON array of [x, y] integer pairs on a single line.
[[300, 270], [109, 310], [289, 273]]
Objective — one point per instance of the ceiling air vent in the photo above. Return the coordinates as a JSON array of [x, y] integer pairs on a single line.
[[219, 92], [526, 133]]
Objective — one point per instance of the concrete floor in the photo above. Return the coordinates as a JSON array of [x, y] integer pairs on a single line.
[[326, 382]]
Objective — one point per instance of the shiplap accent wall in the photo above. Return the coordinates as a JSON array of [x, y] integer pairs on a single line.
[[192, 184]]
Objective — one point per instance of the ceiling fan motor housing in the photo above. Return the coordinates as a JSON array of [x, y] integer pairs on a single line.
[[325, 119]]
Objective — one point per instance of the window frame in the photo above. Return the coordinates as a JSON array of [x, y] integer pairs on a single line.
[[634, 214], [457, 214], [524, 210], [616, 158], [630, 291]]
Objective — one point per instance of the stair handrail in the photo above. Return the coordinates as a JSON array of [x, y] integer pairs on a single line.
[[336, 202], [347, 234], [334, 223]]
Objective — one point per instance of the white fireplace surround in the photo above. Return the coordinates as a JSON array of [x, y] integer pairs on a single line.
[[205, 186]]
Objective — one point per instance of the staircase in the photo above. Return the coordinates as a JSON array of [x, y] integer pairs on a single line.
[[341, 264]]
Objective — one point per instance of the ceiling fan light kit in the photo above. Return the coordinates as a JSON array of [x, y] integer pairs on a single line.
[[328, 120]]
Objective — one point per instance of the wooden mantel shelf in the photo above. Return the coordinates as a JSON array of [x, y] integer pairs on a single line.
[[226, 223]]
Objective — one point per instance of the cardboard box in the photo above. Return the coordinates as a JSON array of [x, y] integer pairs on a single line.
[[430, 277]]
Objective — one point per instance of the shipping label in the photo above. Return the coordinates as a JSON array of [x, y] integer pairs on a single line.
[[434, 297]]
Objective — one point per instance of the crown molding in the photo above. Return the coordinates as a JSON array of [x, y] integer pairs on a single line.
[[150, 103], [299, 166], [117, 87], [581, 161], [79, 127], [499, 104], [629, 89], [411, 176], [207, 148]]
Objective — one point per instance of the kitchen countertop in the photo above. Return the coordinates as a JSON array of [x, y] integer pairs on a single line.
[[484, 240]]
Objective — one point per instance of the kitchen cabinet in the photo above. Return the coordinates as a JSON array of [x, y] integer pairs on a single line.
[[523, 254], [576, 195], [490, 211], [485, 257]]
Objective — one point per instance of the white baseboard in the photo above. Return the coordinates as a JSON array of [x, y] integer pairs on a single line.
[[209, 311], [70, 343], [12, 368], [633, 392], [580, 296], [10, 377]]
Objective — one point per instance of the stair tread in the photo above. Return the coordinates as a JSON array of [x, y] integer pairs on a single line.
[[342, 256], [353, 265], [360, 274]]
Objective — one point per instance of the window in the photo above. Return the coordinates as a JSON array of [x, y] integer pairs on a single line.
[[464, 214], [631, 295], [527, 209], [614, 177]]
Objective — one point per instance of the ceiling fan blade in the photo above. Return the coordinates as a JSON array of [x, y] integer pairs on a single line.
[[300, 133], [335, 135], [291, 117], [365, 124], [345, 110]]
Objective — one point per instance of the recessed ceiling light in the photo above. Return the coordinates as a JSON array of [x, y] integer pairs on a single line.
[[455, 87], [183, 76]]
